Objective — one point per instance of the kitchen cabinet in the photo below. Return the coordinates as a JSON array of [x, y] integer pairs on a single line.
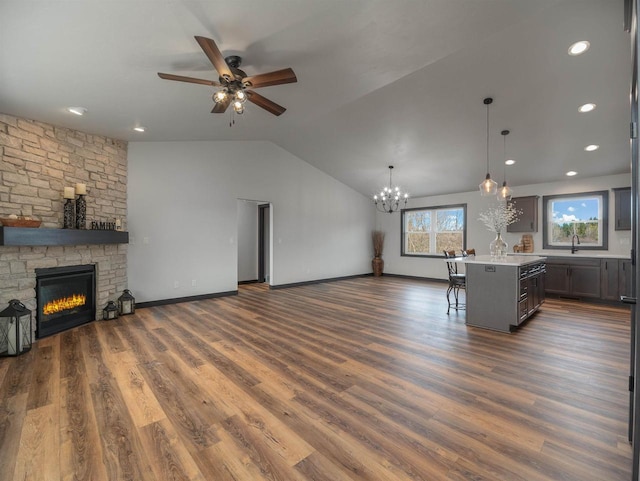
[[502, 294], [573, 277], [622, 220], [616, 279], [528, 219]]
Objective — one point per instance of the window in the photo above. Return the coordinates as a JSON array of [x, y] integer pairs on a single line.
[[583, 215], [429, 231]]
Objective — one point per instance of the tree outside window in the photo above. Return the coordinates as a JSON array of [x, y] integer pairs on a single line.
[[583, 215], [430, 231]]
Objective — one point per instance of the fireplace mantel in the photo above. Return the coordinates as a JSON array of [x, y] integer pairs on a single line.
[[25, 236]]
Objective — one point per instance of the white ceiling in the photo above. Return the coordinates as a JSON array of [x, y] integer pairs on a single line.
[[379, 82]]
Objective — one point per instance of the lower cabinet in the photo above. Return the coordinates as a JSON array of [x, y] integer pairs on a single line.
[[573, 277], [616, 278], [589, 278]]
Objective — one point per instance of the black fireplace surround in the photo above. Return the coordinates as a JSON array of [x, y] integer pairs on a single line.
[[66, 298]]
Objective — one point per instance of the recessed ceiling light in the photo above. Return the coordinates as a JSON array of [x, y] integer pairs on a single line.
[[587, 108], [139, 129], [510, 162], [77, 110], [571, 173], [579, 48], [591, 148]]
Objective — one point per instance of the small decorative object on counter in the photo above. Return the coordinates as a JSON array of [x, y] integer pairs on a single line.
[[126, 303], [15, 329], [110, 311], [81, 206], [498, 247]]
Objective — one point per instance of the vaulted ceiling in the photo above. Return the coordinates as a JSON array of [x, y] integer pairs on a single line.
[[381, 82]]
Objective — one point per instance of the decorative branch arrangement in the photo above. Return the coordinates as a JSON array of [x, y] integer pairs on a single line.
[[497, 218], [378, 242]]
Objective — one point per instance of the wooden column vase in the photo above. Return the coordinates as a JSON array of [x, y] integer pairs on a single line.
[[378, 266]]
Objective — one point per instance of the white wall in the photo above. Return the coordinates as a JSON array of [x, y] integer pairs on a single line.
[[247, 240], [479, 237], [182, 217]]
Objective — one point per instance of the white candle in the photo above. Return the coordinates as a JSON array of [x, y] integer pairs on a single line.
[[81, 189], [69, 193]]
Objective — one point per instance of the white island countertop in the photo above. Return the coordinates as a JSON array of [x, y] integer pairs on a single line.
[[511, 260]]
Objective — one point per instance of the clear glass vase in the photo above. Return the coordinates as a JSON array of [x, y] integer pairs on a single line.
[[498, 248]]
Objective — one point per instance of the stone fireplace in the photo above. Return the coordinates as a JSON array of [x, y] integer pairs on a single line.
[[38, 161]]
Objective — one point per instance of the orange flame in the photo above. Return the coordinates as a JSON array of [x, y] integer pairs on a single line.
[[59, 305]]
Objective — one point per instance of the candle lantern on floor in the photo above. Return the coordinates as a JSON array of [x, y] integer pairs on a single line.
[[15, 329], [126, 303], [110, 311]]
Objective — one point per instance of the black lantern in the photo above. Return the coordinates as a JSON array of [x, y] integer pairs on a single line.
[[15, 329], [126, 303], [110, 311]]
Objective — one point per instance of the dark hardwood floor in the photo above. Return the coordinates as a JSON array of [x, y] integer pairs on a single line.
[[361, 379]]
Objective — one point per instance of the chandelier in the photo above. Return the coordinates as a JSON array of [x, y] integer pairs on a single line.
[[390, 197]]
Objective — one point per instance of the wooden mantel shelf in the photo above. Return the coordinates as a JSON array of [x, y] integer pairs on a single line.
[[24, 236]]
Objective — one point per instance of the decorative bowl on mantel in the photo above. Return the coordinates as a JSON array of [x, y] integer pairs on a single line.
[[8, 222]]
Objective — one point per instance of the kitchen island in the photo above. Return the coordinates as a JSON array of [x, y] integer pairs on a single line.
[[502, 294]]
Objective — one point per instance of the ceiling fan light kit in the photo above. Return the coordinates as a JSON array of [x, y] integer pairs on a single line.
[[235, 86], [488, 186]]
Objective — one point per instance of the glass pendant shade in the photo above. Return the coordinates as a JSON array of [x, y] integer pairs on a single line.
[[504, 193], [219, 96], [488, 186]]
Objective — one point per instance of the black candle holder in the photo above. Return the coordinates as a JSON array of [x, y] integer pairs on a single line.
[[81, 212], [68, 214]]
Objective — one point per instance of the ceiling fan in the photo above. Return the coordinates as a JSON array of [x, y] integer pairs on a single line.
[[236, 86]]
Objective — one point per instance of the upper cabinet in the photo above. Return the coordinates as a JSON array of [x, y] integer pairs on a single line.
[[528, 219], [623, 208]]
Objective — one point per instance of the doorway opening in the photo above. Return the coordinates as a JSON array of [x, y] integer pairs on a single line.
[[254, 241]]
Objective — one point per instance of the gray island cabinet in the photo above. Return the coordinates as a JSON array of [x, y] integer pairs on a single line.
[[502, 294]]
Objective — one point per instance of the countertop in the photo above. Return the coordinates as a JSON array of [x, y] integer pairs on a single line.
[[511, 260], [579, 254]]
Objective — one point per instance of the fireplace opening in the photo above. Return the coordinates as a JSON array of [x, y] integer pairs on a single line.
[[65, 297]]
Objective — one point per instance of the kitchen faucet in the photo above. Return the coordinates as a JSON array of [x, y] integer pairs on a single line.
[[575, 238]]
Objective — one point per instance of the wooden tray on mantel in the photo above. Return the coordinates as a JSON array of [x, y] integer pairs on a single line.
[[7, 222]]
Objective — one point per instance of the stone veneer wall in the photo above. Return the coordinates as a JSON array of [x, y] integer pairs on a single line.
[[38, 161]]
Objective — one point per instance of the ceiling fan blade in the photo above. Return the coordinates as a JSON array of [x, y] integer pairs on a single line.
[[265, 103], [221, 107], [284, 76], [180, 78], [213, 54]]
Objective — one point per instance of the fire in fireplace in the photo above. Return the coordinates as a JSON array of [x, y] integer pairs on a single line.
[[65, 298]]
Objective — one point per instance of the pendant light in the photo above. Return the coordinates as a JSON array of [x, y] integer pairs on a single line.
[[504, 193], [488, 186]]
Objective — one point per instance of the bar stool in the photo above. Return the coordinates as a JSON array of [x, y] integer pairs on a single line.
[[456, 281]]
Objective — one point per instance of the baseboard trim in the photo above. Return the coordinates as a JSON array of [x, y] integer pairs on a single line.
[[252, 281], [417, 278], [318, 281], [178, 300]]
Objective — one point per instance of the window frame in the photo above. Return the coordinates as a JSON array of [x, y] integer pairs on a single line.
[[604, 194], [462, 206]]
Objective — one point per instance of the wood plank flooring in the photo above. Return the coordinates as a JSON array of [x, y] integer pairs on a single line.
[[361, 379]]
